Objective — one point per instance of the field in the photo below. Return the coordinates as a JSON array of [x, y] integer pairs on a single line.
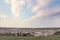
[[30, 38]]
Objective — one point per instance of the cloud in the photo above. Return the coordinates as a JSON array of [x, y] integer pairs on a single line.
[[46, 12], [7, 1], [37, 20], [45, 22], [37, 8], [16, 7], [52, 10], [40, 4]]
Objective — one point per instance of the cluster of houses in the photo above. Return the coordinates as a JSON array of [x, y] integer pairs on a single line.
[[28, 31]]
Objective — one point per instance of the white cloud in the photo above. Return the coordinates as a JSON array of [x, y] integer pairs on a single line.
[[41, 21], [41, 3], [34, 21], [7, 1], [45, 12], [45, 22], [16, 7]]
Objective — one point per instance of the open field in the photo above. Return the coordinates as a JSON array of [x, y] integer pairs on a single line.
[[29, 38]]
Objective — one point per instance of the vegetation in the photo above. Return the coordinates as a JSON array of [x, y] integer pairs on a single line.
[[57, 33], [56, 37]]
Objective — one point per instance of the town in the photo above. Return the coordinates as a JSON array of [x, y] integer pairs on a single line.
[[28, 31]]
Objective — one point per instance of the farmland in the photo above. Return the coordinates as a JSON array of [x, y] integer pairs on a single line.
[[55, 37]]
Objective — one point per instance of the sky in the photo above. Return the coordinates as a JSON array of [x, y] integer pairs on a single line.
[[30, 13]]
